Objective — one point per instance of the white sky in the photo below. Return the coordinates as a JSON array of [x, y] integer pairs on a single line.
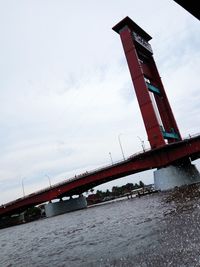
[[66, 92]]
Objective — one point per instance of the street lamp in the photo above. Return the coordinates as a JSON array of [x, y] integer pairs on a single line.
[[48, 180], [23, 186], [142, 143], [121, 145], [111, 158]]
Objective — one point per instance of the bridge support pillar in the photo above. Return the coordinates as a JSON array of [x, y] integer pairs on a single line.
[[64, 206], [172, 176]]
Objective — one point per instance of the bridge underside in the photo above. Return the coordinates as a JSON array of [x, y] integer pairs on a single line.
[[172, 154]]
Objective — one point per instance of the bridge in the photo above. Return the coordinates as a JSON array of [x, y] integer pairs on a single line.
[[154, 158], [169, 153]]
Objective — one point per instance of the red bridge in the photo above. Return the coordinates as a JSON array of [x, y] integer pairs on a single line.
[[154, 158], [167, 146]]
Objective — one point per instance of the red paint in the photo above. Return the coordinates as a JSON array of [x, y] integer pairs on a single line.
[[142, 66], [154, 158], [159, 156]]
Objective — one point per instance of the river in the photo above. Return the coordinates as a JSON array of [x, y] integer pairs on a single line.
[[162, 229]]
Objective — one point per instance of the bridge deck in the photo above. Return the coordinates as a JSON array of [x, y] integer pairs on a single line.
[[154, 158]]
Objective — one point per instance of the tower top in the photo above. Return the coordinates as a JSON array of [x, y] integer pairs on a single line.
[[132, 26]]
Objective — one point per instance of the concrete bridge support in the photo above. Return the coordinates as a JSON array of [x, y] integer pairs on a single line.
[[172, 176], [64, 206]]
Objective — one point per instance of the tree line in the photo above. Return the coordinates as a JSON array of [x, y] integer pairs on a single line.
[[118, 190]]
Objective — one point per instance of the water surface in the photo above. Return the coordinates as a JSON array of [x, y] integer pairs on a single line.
[[161, 229]]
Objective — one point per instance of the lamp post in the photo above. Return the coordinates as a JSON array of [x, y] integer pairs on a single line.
[[120, 144], [23, 186], [142, 143], [111, 158], [48, 180]]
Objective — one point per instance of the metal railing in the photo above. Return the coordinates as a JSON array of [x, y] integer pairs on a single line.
[[85, 174]]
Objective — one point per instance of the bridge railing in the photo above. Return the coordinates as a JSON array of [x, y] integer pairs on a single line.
[[191, 136], [74, 178], [87, 173], [93, 171]]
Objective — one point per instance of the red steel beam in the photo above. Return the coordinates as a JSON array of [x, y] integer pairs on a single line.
[[144, 74], [150, 120], [155, 158]]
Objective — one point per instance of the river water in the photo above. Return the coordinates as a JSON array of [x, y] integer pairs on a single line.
[[161, 229]]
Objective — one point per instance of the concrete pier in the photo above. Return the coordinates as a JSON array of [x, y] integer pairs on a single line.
[[172, 176], [64, 206]]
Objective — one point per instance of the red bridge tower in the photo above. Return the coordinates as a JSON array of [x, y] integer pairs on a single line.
[[157, 115]]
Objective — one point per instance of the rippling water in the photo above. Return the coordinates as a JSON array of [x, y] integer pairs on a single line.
[[155, 230]]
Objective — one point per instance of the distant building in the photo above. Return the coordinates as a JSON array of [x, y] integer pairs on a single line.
[[93, 199]]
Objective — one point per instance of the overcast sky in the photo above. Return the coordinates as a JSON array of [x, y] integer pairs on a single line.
[[66, 92]]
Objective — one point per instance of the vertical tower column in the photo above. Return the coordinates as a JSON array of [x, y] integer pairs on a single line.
[[156, 112]]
